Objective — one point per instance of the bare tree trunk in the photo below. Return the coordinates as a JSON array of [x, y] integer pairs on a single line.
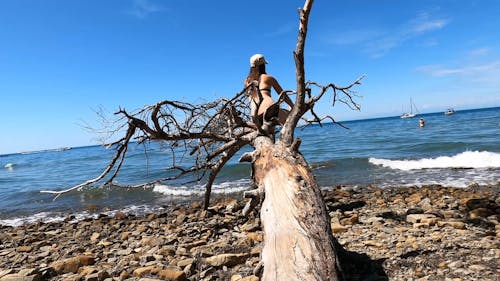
[[298, 241]]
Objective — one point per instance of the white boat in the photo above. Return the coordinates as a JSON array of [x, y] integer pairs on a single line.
[[449, 111], [410, 114]]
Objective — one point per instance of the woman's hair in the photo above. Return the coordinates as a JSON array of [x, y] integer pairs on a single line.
[[255, 73]]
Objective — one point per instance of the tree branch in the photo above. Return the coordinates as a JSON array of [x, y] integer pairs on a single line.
[[286, 136]]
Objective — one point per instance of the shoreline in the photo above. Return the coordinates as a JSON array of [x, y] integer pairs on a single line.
[[422, 233]]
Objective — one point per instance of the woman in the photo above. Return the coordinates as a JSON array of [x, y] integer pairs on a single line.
[[264, 83]]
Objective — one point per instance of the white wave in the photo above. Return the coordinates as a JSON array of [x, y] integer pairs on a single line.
[[467, 159], [222, 188], [48, 217], [9, 166], [39, 217]]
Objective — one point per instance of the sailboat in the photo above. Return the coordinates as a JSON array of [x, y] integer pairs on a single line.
[[411, 113]]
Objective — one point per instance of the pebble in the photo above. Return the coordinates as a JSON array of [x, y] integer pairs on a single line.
[[408, 233]]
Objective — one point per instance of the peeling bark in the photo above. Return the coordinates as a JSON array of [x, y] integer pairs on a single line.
[[298, 242]]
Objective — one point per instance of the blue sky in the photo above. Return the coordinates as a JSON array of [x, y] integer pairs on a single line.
[[60, 60]]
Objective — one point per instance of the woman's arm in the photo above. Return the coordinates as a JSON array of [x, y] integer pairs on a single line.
[[279, 90]]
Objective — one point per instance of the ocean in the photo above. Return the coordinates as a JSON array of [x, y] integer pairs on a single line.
[[459, 150]]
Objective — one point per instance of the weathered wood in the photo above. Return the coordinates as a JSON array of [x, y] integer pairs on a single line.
[[298, 242], [300, 106]]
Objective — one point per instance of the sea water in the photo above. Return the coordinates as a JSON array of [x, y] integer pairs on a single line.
[[460, 150]]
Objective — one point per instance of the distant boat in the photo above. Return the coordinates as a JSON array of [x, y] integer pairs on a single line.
[[410, 114], [47, 150], [449, 111], [60, 149]]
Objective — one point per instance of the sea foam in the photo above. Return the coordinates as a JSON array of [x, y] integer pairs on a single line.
[[465, 160], [48, 217], [221, 188]]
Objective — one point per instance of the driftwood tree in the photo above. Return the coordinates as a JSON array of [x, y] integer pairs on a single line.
[[298, 242]]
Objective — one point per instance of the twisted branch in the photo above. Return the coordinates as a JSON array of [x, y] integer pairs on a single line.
[[212, 132]]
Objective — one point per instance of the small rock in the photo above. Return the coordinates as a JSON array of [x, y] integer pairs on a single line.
[[418, 218], [173, 275], [373, 243], [185, 262], [350, 220], [226, 259], [338, 228], [71, 265], [166, 251], [254, 236], [24, 249], [236, 277], [250, 278], [455, 264], [194, 244], [86, 270], [480, 213], [95, 236], [426, 204], [120, 215], [477, 267], [139, 272], [5, 272], [92, 277], [454, 224], [414, 198]]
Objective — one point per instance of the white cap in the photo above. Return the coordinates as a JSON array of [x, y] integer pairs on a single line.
[[257, 60]]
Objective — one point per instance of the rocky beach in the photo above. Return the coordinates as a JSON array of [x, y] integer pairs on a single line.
[[407, 233]]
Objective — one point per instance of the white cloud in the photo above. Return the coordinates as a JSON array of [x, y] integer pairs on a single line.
[[477, 70], [143, 8], [356, 37], [479, 52], [284, 29], [378, 43], [418, 26], [469, 81], [424, 22]]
